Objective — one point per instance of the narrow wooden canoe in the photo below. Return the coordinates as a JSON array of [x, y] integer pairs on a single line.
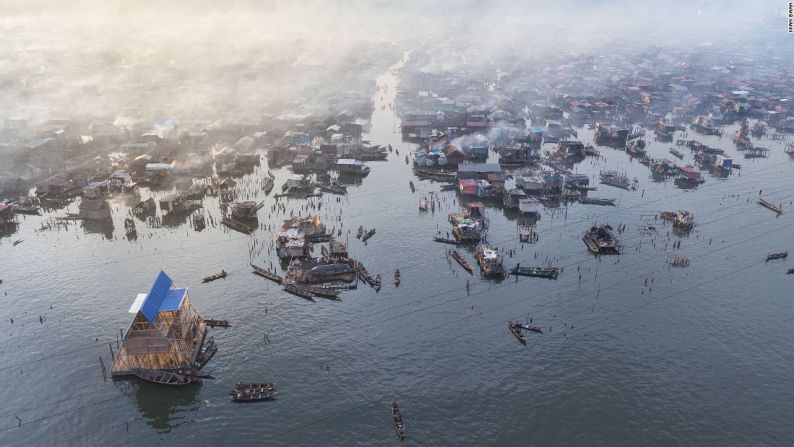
[[377, 283], [267, 184], [298, 291], [397, 418], [322, 292], [529, 327], [243, 388], [463, 263], [444, 240], [162, 377], [266, 274], [539, 272], [220, 275], [517, 332], [217, 323], [254, 396], [773, 256]]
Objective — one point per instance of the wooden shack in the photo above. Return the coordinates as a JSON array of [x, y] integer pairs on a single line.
[[244, 210], [338, 249], [166, 332]]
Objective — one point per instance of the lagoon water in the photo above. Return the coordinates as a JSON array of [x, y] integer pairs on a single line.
[[698, 356]]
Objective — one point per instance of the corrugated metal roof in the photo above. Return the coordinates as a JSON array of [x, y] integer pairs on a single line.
[[136, 305], [156, 296], [173, 299], [480, 167]]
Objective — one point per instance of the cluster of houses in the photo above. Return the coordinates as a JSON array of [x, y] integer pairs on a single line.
[[657, 89], [294, 239], [63, 160], [481, 128]]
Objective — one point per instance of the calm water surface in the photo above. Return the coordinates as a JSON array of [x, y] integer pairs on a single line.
[[700, 355]]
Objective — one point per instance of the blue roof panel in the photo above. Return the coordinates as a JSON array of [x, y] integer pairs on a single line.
[[173, 299], [157, 294]]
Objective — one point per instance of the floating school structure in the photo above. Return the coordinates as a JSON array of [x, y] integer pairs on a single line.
[[167, 333]]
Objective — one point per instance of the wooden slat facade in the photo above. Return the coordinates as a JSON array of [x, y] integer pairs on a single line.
[[173, 341]]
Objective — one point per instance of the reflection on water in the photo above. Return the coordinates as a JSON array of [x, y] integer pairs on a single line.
[[176, 218], [165, 407], [103, 227], [8, 229], [523, 219], [649, 374], [350, 180]]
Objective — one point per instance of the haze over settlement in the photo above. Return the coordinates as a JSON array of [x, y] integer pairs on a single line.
[[457, 222]]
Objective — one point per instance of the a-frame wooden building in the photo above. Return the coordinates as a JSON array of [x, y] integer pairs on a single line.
[[166, 332]]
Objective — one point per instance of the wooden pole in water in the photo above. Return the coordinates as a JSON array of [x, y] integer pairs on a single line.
[[104, 372], [112, 356]]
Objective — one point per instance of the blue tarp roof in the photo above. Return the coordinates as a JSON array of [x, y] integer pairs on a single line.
[[161, 297]]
